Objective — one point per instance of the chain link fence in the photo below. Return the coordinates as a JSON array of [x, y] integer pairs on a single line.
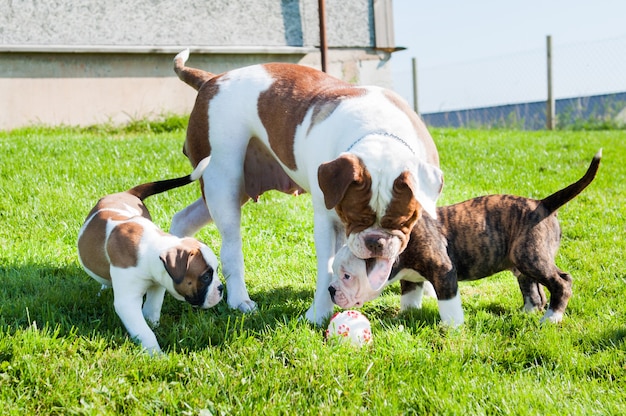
[[589, 81]]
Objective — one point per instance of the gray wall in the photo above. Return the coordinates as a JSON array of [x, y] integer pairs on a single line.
[[92, 61], [184, 22]]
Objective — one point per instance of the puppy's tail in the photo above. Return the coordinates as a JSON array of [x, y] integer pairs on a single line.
[[560, 198], [148, 189], [191, 76]]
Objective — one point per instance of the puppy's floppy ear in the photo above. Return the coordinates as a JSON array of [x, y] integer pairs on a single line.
[[336, 176], [176, 260], [427, 186], [379, 273]]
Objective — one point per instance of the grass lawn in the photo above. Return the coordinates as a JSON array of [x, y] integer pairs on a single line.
[[63, 349]]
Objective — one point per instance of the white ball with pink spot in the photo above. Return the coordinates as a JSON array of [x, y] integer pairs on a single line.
[[351, 326]]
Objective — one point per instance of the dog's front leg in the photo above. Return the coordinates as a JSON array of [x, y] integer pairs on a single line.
[[325, 236], [127, 301], [411, 294], [449, 299], [152, 306]]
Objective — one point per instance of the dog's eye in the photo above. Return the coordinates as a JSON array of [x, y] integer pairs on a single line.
[[206, 277], [346, 276]]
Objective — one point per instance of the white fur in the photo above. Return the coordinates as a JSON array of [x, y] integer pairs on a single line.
[[451, 311], [234, 120], [551, 316]]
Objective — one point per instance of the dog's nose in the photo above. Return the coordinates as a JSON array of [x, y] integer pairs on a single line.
[[220, 289], [375, 244], [332, 292]]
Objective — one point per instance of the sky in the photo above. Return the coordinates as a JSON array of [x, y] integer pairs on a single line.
[[476, 53]]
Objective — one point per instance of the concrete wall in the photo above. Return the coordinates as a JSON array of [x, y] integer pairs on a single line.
[[184, 22], [80, 63]]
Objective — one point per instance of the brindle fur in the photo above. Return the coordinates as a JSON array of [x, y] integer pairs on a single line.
[[485, 235]]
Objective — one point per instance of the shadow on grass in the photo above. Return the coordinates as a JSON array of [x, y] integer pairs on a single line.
[[71, 303]]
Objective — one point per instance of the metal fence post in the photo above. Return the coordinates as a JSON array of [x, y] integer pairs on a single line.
[[415, 100], [550, 105]]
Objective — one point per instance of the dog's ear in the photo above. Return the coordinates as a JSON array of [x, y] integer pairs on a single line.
[[336, 176], [175, 260], [379, 273], [427, 186]]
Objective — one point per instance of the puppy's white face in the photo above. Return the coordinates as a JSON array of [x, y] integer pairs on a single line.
[[193, 269], [350, 286]]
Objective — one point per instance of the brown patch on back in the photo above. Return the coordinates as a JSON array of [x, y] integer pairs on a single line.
[[91, 246], [197, 145], [123, 244], [296, 90], [422, 132]]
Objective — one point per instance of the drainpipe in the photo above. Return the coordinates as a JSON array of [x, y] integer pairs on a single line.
[[323, 45]]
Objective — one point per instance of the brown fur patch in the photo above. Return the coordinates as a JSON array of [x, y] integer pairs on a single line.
[[197, 145], [123, 244], [422, 132], [348, 185], [191, 266], [296, 90], [91, 246], [403, 210], [262, 172]]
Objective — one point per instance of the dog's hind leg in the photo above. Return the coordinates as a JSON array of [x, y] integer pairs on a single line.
[[224, 192], [532, 292], [190, 219], [558, 282]]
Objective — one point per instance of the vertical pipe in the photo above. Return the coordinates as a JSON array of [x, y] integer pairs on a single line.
[[415, 96], [550, 105], [321, 4]]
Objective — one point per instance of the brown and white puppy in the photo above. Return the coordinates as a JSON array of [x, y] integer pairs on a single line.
[[366, 158], [120, 246], [468, 241]]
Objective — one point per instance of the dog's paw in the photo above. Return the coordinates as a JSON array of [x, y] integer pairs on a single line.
[[154, 351], [316, 316], [248, 306], [552, 317]]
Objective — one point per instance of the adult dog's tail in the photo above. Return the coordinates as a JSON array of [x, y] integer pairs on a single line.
[[191, 76], [148, 189], [560, 198]]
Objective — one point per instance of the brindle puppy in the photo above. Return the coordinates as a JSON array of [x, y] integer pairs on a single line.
[[469, 241]]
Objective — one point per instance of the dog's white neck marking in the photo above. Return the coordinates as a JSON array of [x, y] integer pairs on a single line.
[[381, 133]]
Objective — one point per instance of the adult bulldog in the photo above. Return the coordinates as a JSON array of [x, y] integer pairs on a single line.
[[368, 161]]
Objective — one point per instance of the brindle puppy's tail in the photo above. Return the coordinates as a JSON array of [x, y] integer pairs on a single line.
[[148, 189], [560, 198], [191, 76]]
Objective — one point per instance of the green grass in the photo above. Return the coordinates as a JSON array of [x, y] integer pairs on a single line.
[[63, 350]]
